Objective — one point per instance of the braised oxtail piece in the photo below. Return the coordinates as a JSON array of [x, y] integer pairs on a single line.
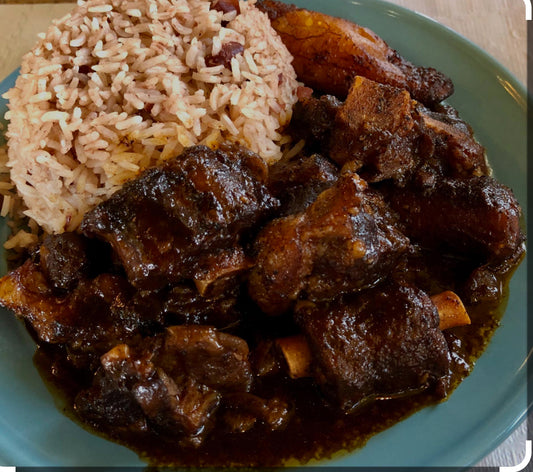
[[88, 320], [87, 312], [386, 135], [298, 181], [376, 130], [298, 357], [449, 144], [344, 242], [330, 52], [172, 383], [64, 260], [185, 219], [381, 343], [475, 220], [313, 120], [478, 217]]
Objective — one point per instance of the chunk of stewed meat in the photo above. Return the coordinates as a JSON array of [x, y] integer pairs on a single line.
[[380, 343], [298, 182], [313, 119], [131, 379], [183, 304], [450, 143], [486, 284], [344, 242], [166, 225], [242, 411], [213, 358], [220, 272], [385, 134], [172, 383], [108, 404], [375, 130], [478, 217], [64, 260], [97, 314]]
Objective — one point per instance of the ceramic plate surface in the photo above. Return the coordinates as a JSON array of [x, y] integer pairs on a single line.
[[483, 410]]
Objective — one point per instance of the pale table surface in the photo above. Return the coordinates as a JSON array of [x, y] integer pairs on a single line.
[[497, 26]]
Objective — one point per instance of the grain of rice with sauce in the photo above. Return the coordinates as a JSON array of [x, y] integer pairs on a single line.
[[120, 85]]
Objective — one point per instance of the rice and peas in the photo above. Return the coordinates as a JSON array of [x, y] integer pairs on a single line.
[[117, 86]]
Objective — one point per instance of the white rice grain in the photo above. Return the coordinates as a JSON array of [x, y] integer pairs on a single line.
[[120, 85]]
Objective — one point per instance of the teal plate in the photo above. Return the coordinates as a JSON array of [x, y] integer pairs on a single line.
[[483, 410]]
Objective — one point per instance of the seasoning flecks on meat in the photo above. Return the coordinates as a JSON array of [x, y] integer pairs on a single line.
[[375, 129], [167, 224], [330, 52], [381, 343], [344, 242]]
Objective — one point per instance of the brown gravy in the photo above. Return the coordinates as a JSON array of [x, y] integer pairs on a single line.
[[316, 430]]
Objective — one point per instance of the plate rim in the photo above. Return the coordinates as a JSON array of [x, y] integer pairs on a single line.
[[523, 94]]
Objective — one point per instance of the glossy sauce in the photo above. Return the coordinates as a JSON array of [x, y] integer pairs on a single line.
[[316, 429]]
